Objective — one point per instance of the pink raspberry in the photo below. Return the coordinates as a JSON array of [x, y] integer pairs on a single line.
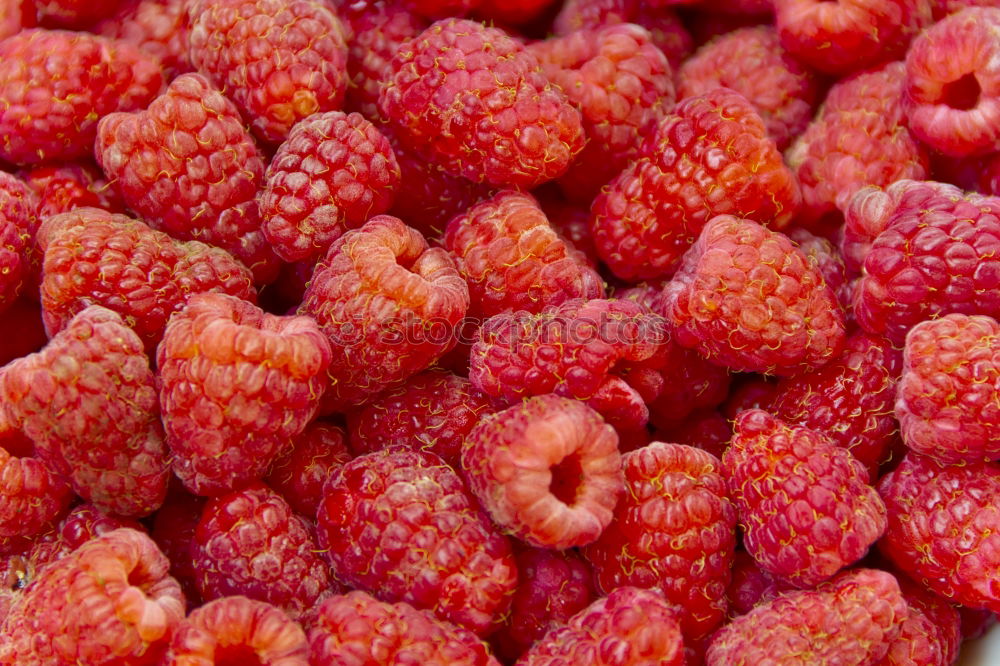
[[400, 524], [547, 470], [510, 126], [804, 502], [299, 472], [158, 27], [931, 632], [18, 226]]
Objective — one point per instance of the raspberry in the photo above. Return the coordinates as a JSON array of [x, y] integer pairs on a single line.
[[18, 225], [547, 470], [943, 527], [30, 494], [629, 626], [709, 156], [433, 411], [852, 619], [88, 402], [840, 38], [356, 629], [62, 188], [72, 13], [173, 531], [250, 543], [675, 511], [236, 629], [946, 404], [751, 585], [517, 12], [623, 87], [55, 85], [951, 71], [299, 472], [934, 255], [435, 9], [572, 222], [400, 524], [279, 60], [110, 601], [484, 113], [689, 382], [188, 167], [92, 256], [849, 400], [975, 622], [389, 304], [580, 349], [512, 258], [824, 254], [746, 298], [158, 27], [554, 586], [15, 16], [804, 502], [752, 62], [750, 391], [930, 634], [706, 429], [858, 138], [333, 172], [235, 384]]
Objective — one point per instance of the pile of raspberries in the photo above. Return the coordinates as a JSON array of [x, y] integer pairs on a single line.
[[482, 332]]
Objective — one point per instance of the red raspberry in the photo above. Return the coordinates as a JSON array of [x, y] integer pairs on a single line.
[[629, 626], [236, 629], [709, 156], [516, 12], [400, 524], [18, 226], [111, 601], [689, 382], [675, 512], [31, 495], [948, 398], [250, 543], [746, 298], [547, 470], [840, 38], [804, 502], [62, 188], [73, 13], [930, 634], [849, 400], [88, 402], [706, 429], [433, 411], [572, 222], [235, 384], [15, 15], [951, 74], [943, 527], [858, 138], [975, 621], [750, 391], [435, 9], [554, 585], [55, 85], [622, 85], [852, 619], [751, 585], [279, 60], [25, 317], [92, 256], [581, 349], [389, 304], [173, 531], [158, 27], [752, 62], [823, 253], [356, 629], [514, 260], [486, 113], [188, 167], [298, 474]]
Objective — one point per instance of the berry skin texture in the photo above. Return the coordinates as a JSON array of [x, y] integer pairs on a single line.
[[109, 602], [953, 83], [31, 495], [949, 391], [299, 472], [235, 384], [55, 85], [18, 226], [484, 113], [931, 633], [629, 626], [356, 629], [187, 166], [279, 60], [512, 258], [748, 299], [334, 171], [237, 628], [547, 470], [71, 185], [433, 411], [675, 530], [173, 530], [804, 502], [852, 619], [158, 27], [92, 256], [88, 402], [400, 524], [250, 543], [943, 527], [389, 304], [710, 156]]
